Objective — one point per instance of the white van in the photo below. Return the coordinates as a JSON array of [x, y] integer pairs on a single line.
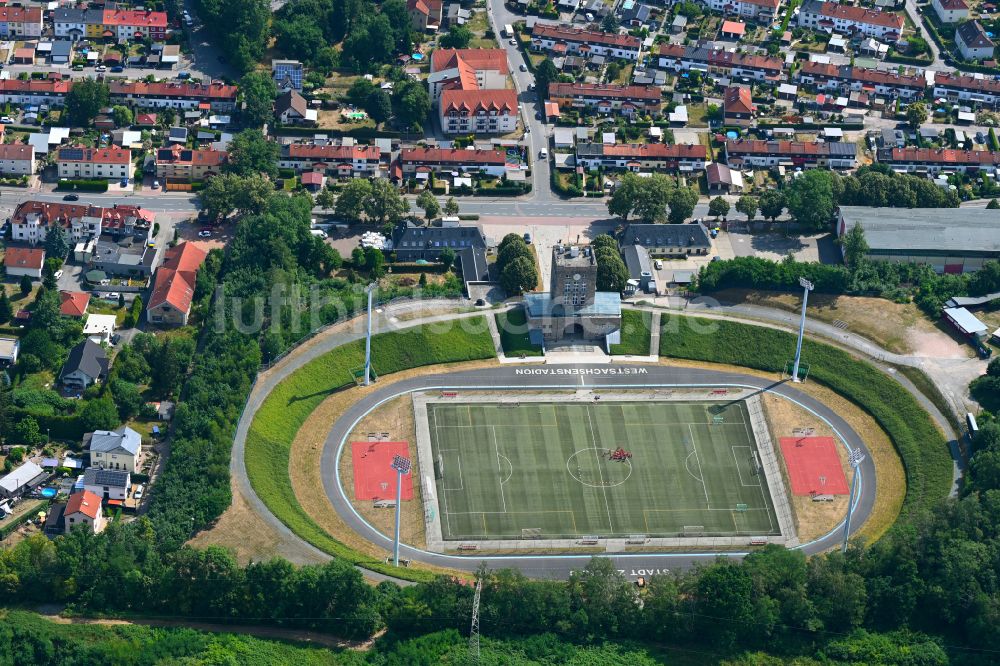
[[318, 233], [543, 154]]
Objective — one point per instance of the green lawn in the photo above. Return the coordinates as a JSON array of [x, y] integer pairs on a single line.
[[636, 325], [279, 418], [544, 466], [920, 445], [513, 329]]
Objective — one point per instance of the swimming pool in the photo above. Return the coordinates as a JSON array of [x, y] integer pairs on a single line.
[[732, 135], [48, 493]]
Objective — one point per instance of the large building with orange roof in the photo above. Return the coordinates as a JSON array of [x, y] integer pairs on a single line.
[[173, 289], [470, 89]]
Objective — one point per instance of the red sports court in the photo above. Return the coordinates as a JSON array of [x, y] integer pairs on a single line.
[[374, 477], [814, 466]]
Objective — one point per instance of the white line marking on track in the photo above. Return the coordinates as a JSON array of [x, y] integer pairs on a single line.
[[496, 447], [701, 472], [600, 469]]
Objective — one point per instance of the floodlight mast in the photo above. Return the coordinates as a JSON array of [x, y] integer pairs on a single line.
[[402, 466], [855, 459], [807, 286], [370, 289]]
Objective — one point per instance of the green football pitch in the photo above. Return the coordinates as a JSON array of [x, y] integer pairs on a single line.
[[542, 470]]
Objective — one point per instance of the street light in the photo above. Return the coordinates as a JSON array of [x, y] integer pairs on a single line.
[[370, 290], [807, 286], [855, 459], [402, 466]]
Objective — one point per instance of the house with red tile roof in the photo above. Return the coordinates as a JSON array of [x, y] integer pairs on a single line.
[[129, 24], [34, 91], [186, 165], [467, 69], [643, 157], [741, 153], [850, 20], [585, 43], [950, 11], [733, 30], [967, 88], [17, 21], [737, 106], [681, 58], [112, 162], [73, 303], [760, 10], [83, 511], [478, 111], [934, 160], [841, 78], [342, 161], [608, 98], [173, 288], [32, 219], [437, 160], [214, 96], [17, 159], [20, 261], [425, 15]]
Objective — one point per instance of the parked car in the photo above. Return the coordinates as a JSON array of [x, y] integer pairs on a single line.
[[156, 184], [139, 491], [527, 238], [71, 197], [513, 42], [205, 233], [112, 295], [124, 182], [6, 120], [117, 69], [101, 68], [58, 274], [523, 67]]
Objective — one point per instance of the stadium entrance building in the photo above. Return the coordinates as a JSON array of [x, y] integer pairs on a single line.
[[573, 310]]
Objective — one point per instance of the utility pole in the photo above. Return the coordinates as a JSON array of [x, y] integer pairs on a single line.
[[474, 632], [370, 290], [855, 459], [807, 286], [402, 466]]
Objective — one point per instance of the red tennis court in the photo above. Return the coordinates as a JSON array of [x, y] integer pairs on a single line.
[[814, 466], [374, 478]]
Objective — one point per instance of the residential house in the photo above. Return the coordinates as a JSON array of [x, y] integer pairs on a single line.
[[762, 11], [32, 219], [108, 484], [86, 364], [967, 88], [438, 160], [850, 20], [74, 303], [22, 479], [126, 256], [723, 180], [973, 42], [131, 24], [17, 159], [173, 289], [287, 74], [737, 107], [643, 157], [719, 62], [467, 69], [18, 21], [935, 160], [218, 97], [114, 449], [844, 78], [343, 161], [99, 327], [758, 153], [291, 108], [187, 165], [950, 11], [18, 261], [112, 163], [733, 30], [83, 511], [425, 15], [34, 91], [562, 40], [605, 98], [669, 240], [426, 243], [478, 111], [69, 23]]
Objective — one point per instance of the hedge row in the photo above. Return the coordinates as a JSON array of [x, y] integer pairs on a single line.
[[14, 523], [269, 439], [922, 448], [95, 185]]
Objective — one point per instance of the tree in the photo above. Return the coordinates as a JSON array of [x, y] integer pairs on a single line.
[[359, 91], [855, 246], [612, 274], [375, 262], [121, 300], [682, 203], [610, 23], [25, 285], [56, 242], [747, 205], [772, 204], [385, 205], [351, 202], [251, 153], [258, 91], [85, 100], [429, 203], [457, 37], [993, 205], [718, 207], [123, 115], [127, 397], [447, 258], [325, 198], [519, 275], [378, 106], [99, 414], [410, 103], [451, 207], [134, 312], [26, 431], [298, 38], [545, 74], [6, 310], [812, 197], [916, 114], [612, 71], [646, 198]]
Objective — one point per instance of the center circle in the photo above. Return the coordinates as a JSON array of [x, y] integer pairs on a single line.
[[592, 468]]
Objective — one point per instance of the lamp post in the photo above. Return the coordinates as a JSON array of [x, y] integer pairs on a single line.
[[807, 286], [402, 466], [854, 459], [370, 290]]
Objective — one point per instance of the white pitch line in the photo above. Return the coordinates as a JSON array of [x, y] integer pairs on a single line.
[[600, 470], [701, 471], [496, 447], [753, 439]]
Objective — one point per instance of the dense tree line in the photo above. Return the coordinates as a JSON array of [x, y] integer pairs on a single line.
[[516, 265], [612, 274], [239, 28]]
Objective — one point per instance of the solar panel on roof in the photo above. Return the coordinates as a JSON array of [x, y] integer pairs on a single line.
[[71, 153]]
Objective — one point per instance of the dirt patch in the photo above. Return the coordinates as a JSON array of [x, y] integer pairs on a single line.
[[307, 450], [396, 418], [812, 519], [890, 482], [898, 327]]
